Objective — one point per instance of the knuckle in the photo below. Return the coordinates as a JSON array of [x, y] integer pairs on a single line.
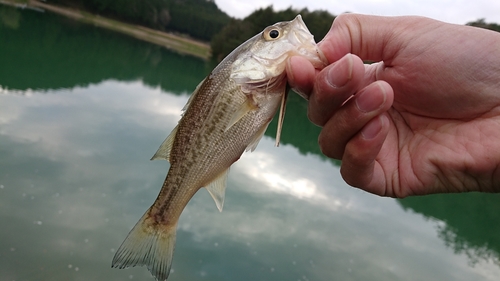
[[330, 146], [350, 178], [318, 113]]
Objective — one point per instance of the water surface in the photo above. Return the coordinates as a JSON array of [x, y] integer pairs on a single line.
[[81, 112]]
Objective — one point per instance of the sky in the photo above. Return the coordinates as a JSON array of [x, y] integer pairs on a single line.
[[459, 11]]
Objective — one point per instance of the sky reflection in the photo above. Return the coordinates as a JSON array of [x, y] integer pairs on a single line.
[[75, 177]]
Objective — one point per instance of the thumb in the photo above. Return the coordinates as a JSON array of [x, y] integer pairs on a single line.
[[372, 38]]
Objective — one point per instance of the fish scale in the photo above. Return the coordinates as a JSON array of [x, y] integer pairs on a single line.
[[227, 114]]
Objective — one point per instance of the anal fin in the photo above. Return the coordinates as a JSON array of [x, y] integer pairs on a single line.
[[217, 189]]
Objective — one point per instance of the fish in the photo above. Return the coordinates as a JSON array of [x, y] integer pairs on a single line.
[[226, 115]]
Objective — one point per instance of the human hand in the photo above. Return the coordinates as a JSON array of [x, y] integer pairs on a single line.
[[424, 119]]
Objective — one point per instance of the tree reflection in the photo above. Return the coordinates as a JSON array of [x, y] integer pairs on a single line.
[[41, 53], [10, 17], [468, 222]]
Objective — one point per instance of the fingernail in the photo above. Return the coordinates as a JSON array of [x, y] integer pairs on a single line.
[[372, 129], [341, 72], [369, 101]]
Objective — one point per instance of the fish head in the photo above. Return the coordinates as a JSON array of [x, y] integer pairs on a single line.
[[261, 60]]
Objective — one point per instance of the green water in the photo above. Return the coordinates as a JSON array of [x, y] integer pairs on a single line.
[[81, 112]]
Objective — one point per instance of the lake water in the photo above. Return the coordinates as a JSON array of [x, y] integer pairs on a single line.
[[82, 110]]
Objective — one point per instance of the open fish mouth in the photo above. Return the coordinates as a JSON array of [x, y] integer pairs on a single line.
[[302, 38], [303, 44], [264, 62]]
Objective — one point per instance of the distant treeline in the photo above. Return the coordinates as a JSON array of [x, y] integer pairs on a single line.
[[200, 19], [237, 31], [318, 22], [481, 23]]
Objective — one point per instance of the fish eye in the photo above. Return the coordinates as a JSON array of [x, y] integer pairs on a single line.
[[271, 33], [274, 33]]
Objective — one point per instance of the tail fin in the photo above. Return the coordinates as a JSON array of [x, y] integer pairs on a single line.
[[149, 244]]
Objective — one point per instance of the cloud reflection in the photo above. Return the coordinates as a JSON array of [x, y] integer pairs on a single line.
[[76, 160], [262, 168]]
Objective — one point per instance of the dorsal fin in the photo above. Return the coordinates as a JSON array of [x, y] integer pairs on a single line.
[[191, 98], [217, 189], [163, 153]]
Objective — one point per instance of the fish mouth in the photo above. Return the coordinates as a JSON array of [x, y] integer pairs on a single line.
[[301, 37], [263, 64]]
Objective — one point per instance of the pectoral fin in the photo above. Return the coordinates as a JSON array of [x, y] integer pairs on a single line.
[[247, 106], [163, 152], [281, 116], [217, 189]]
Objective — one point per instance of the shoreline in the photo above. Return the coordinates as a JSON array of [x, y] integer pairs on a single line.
[[170, 41]]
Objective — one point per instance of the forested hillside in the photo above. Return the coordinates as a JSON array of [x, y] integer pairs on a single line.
[[201, 19], [481, 23], [318, 22], [238, 31]]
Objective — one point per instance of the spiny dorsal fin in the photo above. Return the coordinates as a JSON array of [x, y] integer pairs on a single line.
[[191, 98], [217, 189], [247, 106], [282, 115], [163, 152]]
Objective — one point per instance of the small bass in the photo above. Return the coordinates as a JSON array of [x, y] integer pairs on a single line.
[[225, 116]]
